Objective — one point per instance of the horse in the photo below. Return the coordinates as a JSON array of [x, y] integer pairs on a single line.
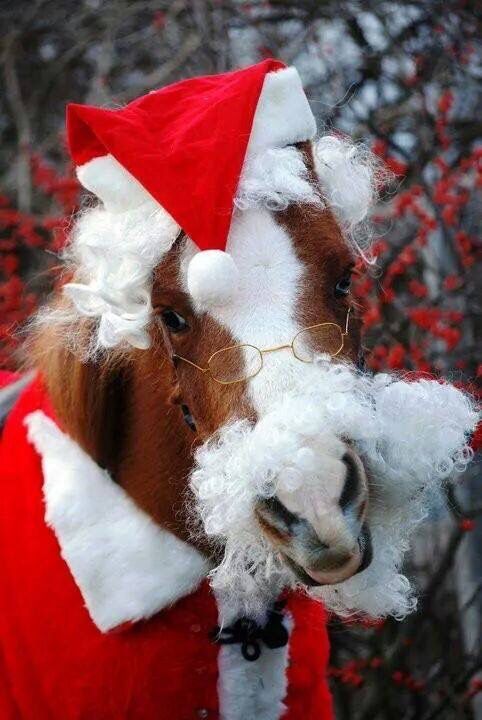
[[151, 402]]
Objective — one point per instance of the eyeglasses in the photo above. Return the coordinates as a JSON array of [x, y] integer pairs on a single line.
[[238, 363]]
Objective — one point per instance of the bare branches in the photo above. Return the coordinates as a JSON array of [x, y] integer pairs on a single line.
[[163, 74], [22, 123]]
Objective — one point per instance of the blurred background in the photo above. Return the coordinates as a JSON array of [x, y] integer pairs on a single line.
[[405, 78]]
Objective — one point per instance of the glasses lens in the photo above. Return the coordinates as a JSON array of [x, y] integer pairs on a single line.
[[235, 363], [309, 343]]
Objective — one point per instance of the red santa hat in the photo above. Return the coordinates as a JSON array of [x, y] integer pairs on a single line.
[[184, 146]]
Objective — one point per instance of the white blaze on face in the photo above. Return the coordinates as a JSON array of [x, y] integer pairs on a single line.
[[263, 311]]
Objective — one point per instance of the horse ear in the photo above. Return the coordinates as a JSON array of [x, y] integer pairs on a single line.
[[88, 397]]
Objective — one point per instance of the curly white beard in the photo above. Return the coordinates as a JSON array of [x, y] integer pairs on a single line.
[[411, 436]]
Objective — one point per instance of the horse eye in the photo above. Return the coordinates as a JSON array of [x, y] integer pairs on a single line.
[[342, 287], [173, 321]]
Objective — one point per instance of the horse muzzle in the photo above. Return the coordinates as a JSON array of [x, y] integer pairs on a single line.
[[320, 530]]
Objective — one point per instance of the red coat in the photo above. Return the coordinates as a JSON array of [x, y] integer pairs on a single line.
[[105, 616]]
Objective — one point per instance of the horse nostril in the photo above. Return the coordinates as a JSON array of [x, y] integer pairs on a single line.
[[279, 518], [352, 482], [366, 548], [280, 522], [277, 508]]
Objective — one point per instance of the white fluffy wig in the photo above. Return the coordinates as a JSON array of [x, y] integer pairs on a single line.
[[411, 436]]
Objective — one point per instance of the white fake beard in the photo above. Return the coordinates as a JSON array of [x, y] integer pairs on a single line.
[[411, 437]]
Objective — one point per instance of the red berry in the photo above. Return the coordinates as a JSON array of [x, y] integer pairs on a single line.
[[398, 677]]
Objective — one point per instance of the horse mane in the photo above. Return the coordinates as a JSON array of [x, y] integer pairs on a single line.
[[89, 396], [121, 409]]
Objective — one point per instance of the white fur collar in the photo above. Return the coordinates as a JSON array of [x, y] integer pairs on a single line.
[[125, 565]]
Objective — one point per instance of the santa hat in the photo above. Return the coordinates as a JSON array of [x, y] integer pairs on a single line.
[[184, 146]]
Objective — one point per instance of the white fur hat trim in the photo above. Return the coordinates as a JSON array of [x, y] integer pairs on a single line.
[[113, 184]]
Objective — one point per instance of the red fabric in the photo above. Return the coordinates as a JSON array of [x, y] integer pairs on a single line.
[[185, 144], [308, 692], [7, 378], [56, 665]]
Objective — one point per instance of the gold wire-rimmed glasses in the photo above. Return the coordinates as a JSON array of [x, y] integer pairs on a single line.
[[238, 363]]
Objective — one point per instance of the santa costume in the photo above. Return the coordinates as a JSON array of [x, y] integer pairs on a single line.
[[106, 615]]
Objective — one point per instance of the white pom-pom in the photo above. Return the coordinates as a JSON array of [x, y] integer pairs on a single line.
[[212, 278]]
